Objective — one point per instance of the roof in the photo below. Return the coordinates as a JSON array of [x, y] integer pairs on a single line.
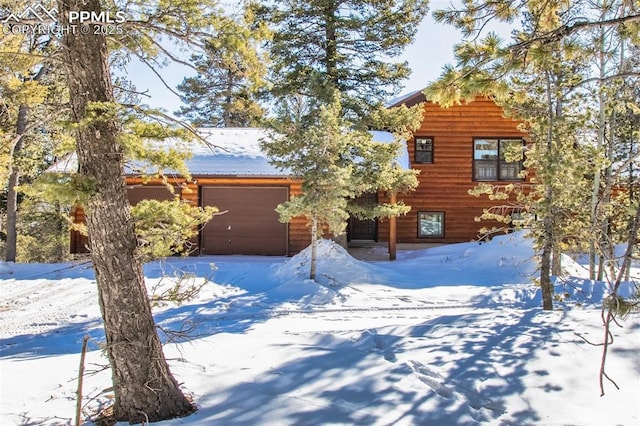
[[231, 152], [408, 99]]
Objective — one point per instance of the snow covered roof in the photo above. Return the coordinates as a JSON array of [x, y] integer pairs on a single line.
[[399, 100], [231, 152], [66, 164]]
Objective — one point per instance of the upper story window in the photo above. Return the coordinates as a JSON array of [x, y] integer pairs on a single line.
[[490, 159], [424, 150]]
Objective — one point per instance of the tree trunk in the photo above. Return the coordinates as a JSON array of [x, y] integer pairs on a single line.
[[548, 232], [144, 388], [61, 232], [546, 286], [314, 248], [227, 118], [14, 180], [393, 232]]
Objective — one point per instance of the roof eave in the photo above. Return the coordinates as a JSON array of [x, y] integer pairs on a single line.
[[411, 99]]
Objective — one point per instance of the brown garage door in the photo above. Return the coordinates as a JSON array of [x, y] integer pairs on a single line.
[[251, 224], [135, 194]]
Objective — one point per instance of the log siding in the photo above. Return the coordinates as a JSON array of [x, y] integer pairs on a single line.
[[444, 183]]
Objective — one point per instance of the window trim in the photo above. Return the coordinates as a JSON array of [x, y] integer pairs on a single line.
[[415, 149], [497, 160], [442, 222]]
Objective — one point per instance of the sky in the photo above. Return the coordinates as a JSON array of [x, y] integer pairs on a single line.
[[427, 55], [451, 335]]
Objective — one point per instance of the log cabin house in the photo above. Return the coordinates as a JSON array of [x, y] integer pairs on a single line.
[[235, 177], [453, 149]]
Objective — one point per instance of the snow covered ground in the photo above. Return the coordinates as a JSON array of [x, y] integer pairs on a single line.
[[452, 335]]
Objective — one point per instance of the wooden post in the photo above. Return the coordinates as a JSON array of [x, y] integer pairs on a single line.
[[83, 353], [393, 234]]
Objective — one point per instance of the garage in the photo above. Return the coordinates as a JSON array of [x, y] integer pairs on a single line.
[[249, 226], [139, 193], [79, 242]]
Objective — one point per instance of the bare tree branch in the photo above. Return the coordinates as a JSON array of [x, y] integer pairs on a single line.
[[609, 309]]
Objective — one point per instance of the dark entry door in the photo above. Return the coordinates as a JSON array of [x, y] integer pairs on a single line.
[[365, 230], [250, 225]]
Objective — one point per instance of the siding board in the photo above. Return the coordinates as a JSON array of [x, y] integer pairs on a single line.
[[298, 232], [445, 183]]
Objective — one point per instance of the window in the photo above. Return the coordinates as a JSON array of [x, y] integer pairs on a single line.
[[430, 224], [493, 159], [424, 150]]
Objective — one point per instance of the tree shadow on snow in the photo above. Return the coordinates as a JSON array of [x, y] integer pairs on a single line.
[[452, 370], [178, 324], [60, 341], [232, 313]]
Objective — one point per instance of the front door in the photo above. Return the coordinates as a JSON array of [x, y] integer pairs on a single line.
[[363, 229]]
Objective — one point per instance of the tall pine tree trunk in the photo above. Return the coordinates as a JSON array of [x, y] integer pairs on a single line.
[[546, 286], [61, 230], [14, 181], [314, 248], [596, 191], [227, 117], [556, 261], [393, 230], [548, 231], [144, 388]]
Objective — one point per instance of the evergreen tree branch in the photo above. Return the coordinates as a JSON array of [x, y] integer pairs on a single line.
[[34, 123], [32, 55], [610, 307], [168, 119], [157, 73], [566, 30]]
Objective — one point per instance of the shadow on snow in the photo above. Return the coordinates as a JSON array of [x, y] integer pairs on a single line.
[[437, 374]]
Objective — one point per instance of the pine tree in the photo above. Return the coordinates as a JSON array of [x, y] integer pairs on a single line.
[[316, 154], [106, 134], [165, 228], [336, 163], [616, 68], [230, 73], [26, 87], [324, 45], [541, 78], [323, 49], [144, 388]]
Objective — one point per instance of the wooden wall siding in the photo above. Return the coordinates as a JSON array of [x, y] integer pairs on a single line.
[[444, 184], [298, 232], [78, 243], [189, 193]]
